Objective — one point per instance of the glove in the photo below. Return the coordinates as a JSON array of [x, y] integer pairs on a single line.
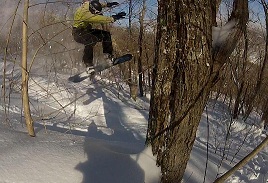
[[119, 15], [112, 4]]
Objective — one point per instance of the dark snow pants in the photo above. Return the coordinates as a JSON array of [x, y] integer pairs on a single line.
[[89, 37]]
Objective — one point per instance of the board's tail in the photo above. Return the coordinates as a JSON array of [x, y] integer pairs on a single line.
[[122, 59]]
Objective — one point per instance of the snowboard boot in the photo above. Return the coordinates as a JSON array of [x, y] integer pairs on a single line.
[[90, 70], [108, 58]]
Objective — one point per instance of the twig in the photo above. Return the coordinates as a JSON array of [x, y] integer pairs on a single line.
[[243, 162]]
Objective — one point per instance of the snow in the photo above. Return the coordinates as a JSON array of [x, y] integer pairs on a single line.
[[93, 133], [220, 34]]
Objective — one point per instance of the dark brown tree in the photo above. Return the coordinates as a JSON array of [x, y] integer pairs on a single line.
[[186, 67]]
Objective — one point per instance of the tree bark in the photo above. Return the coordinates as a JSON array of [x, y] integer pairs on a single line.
[[180, 82], [185, 69]]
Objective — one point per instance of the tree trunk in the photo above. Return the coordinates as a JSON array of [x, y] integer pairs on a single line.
[[185, 70], [240, 83], [140, 72], [25, 72], [132, 71], [264, 117], [181, 82]]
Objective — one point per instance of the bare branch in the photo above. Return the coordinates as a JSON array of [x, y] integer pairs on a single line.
[[243, 161]]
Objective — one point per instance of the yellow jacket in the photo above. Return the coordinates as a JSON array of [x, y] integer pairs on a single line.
[[83, 17]]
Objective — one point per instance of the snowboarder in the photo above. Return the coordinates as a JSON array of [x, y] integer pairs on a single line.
[[86, 18]]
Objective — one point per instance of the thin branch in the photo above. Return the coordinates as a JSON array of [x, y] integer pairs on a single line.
[[243, 161]]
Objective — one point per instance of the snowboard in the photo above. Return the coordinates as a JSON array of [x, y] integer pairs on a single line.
[[99, 67]]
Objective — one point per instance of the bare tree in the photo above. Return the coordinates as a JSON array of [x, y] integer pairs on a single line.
[[239, 73], [140, 72], [5, 61], [187, 65], [132, 72], [25, 72], [263, 65]]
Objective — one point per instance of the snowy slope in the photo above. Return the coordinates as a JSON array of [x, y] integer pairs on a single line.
[[226, 147], [93, 133], [92, 137]]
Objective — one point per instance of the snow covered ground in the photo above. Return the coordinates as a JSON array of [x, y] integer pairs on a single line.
[[93, 133]]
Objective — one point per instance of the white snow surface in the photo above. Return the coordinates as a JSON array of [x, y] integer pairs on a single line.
[[91, 132]]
